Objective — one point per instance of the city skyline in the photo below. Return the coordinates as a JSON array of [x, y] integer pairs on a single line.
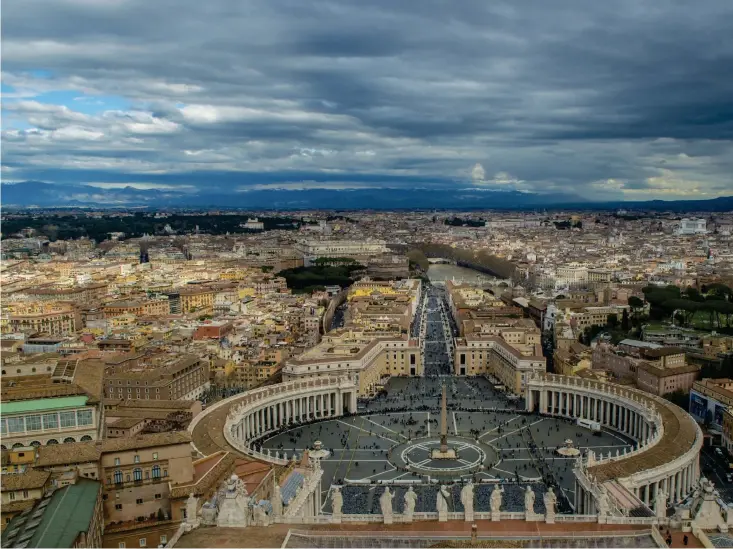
[[127, 102]]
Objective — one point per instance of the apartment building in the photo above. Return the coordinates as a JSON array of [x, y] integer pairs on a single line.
[[157, 376], [48, 318], [662, 379], [152, 307], [199, 299], [80, 295], [571, 360], [709, 398], [138, 473], [368, 356]]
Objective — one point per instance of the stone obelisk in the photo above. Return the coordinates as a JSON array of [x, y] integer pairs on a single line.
[[444, 424], [443, 452]]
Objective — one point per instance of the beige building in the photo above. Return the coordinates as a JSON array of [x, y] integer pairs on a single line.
[[660, 380], [371, 357], [49, 318], [152, 307], [161, 376], [138, 473], [197, 299], [510, 362]]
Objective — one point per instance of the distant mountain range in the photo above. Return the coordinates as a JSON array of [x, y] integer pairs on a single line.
[[48, 195]]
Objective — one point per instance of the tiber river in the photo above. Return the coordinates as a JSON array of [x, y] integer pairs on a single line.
[[440, 273]]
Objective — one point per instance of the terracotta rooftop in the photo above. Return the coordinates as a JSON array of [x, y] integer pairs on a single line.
[[25, 481], [679, 436], [66, 454], [145, 441]]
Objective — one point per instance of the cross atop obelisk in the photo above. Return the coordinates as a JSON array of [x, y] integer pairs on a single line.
[[444, 424]]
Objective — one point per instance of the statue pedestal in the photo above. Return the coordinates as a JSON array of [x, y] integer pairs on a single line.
[[448, 453], [388, 519], [336, 519], [532, 517], [407, 517], [550, 518], [442, 517], [495, 516], [469, 517]]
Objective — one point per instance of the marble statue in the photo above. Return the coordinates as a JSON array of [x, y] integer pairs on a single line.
[[441, 503], [260, 515], [234, 507], [277, 502], [337, 503], [550, 503], [604, 505], [660, 504], [385, 502], [467, 501], [192, 504], [496, 499], [208, 514], [410, 501], [529, 501]]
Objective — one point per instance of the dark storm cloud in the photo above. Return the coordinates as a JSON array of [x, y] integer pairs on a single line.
[[602, 99]]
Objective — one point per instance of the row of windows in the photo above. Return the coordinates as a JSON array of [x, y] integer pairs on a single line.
[[136, 459], [37, 422], [137, 475]]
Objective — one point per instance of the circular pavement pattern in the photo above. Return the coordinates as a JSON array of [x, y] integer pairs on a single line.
[[417, 456]]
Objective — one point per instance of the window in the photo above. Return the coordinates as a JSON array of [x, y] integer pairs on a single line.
[[143, 542], [104, 497], [117, 461], [136, 459], [16, 425], [163, 539], [118, 477], [137, 474], [33, 423], [3, 428], [67, 419], [155, 455], [139, 501], [25, 494], [156, 471], [158, 496], [121, 545], [84, 417], [11, 495], [118, 506], [165, 472], [50, 421]]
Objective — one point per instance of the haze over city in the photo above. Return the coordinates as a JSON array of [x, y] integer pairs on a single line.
[[429, 101]]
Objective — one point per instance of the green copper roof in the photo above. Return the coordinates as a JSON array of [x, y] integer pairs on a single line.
[[42, 404], [58, 521]]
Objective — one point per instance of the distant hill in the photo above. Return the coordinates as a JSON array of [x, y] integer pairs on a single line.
[[48, 195]]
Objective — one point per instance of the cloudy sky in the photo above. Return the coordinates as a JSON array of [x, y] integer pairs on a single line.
[[623, 99]]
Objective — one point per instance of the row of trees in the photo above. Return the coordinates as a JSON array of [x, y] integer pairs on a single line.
[[713, 303]]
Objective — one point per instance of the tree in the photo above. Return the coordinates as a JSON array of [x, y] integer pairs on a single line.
[[680, 398], [612, 321], [625, 324]]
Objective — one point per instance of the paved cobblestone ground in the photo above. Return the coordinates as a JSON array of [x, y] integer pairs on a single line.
[[361, 446]]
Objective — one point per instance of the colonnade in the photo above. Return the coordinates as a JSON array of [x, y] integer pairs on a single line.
[[271, 408], [573, 402], [638, 416], [292, 410]]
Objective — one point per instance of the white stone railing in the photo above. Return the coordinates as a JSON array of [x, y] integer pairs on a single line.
[[576, 518]]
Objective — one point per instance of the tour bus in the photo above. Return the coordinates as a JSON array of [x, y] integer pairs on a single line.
[[588, 424]]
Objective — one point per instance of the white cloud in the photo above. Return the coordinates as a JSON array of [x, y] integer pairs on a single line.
[[478, 174]]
